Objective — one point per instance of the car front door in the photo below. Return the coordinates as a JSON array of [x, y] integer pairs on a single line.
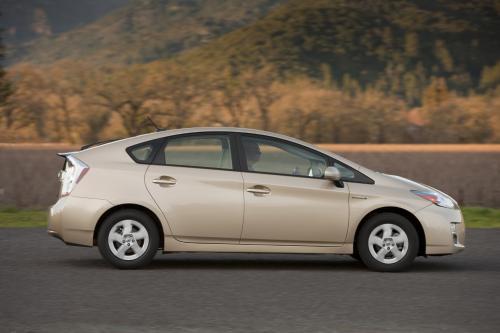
[[194, 183], [287, 200]]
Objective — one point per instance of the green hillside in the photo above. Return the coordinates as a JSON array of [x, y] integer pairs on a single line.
[[395, 45], [145, 30]]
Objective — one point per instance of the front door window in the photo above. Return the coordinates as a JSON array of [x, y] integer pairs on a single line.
[[277, 157]]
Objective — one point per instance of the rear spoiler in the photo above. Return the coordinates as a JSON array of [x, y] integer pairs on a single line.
[[67, 153], [86, 147], [90, 145]]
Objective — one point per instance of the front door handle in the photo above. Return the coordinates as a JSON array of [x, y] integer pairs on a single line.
[[165, 180], [259, 189]]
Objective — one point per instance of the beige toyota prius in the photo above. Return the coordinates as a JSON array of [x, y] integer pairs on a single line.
[[242, 190]]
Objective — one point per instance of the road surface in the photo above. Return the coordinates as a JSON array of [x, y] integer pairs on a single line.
[[46, 286]]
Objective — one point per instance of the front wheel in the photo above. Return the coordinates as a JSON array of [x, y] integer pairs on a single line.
[[128, 239], [387, 242]]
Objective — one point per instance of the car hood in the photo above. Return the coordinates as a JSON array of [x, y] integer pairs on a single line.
[[406, 183], [411, 184]]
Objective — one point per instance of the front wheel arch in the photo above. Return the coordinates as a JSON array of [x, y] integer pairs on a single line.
[[140, 208], [396, 210]]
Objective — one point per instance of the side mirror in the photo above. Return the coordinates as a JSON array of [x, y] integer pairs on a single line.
[[333, 174]]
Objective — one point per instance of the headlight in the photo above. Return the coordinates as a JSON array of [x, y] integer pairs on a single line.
[[436, 198]]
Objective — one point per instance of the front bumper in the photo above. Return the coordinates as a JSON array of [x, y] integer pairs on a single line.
[[73, 219], [444, 229]]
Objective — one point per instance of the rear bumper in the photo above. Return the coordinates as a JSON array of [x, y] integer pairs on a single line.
[[444, 230], [54, 234], [73, 219]]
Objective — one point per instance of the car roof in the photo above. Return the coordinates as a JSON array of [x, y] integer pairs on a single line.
[[127, 142], [171, 132], [192, 130]]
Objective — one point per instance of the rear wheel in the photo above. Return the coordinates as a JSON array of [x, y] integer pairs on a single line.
[[387, 242], [128, 239]]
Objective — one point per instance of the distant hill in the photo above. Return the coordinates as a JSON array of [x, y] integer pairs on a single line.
[[323, 70], [145, 30], [397, 45], [25, 20]]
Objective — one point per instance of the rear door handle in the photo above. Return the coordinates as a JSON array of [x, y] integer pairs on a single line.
[[259, 189], [165, 180]]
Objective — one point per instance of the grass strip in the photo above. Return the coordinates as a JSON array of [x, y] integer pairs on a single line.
[[475, 217]]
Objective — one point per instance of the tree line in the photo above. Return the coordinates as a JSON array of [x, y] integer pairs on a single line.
[[75, 102]]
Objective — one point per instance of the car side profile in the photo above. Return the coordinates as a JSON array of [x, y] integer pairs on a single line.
[[242, 190]]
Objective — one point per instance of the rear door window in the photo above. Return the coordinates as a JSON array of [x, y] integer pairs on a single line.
[[211, 151]]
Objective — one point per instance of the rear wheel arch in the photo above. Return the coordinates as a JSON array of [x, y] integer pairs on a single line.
[[140, 208], [400, 211]]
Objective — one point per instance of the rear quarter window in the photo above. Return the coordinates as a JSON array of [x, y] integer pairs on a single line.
[[143, 152]]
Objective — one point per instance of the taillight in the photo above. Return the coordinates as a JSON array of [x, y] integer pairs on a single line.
[[73, 172]]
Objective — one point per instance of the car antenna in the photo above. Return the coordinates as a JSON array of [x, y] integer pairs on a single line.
[[158, 129]]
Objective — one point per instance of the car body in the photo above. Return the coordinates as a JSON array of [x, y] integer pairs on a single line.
[[243, 190]]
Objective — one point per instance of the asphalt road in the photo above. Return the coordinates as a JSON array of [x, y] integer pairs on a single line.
[[46, 286]]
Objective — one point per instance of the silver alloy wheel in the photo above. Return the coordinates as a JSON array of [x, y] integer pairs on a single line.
[[128, 239], [388, 243]]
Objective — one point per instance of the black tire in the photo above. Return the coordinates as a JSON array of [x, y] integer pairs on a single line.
[[355, 255], [135, 215], [363, 245]]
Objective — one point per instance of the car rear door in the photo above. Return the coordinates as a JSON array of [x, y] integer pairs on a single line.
[[194, 182]]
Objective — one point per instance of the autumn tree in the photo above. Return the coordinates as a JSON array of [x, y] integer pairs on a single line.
[[490, 76], [65, 86], [5, 90], [443, 55], [305, 109], [494, 105], [28, 106], [176, 94], [381, 118], [436, 93], [227, 98], [259, 86], [127, 91], [459, 120], [93, 115]]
